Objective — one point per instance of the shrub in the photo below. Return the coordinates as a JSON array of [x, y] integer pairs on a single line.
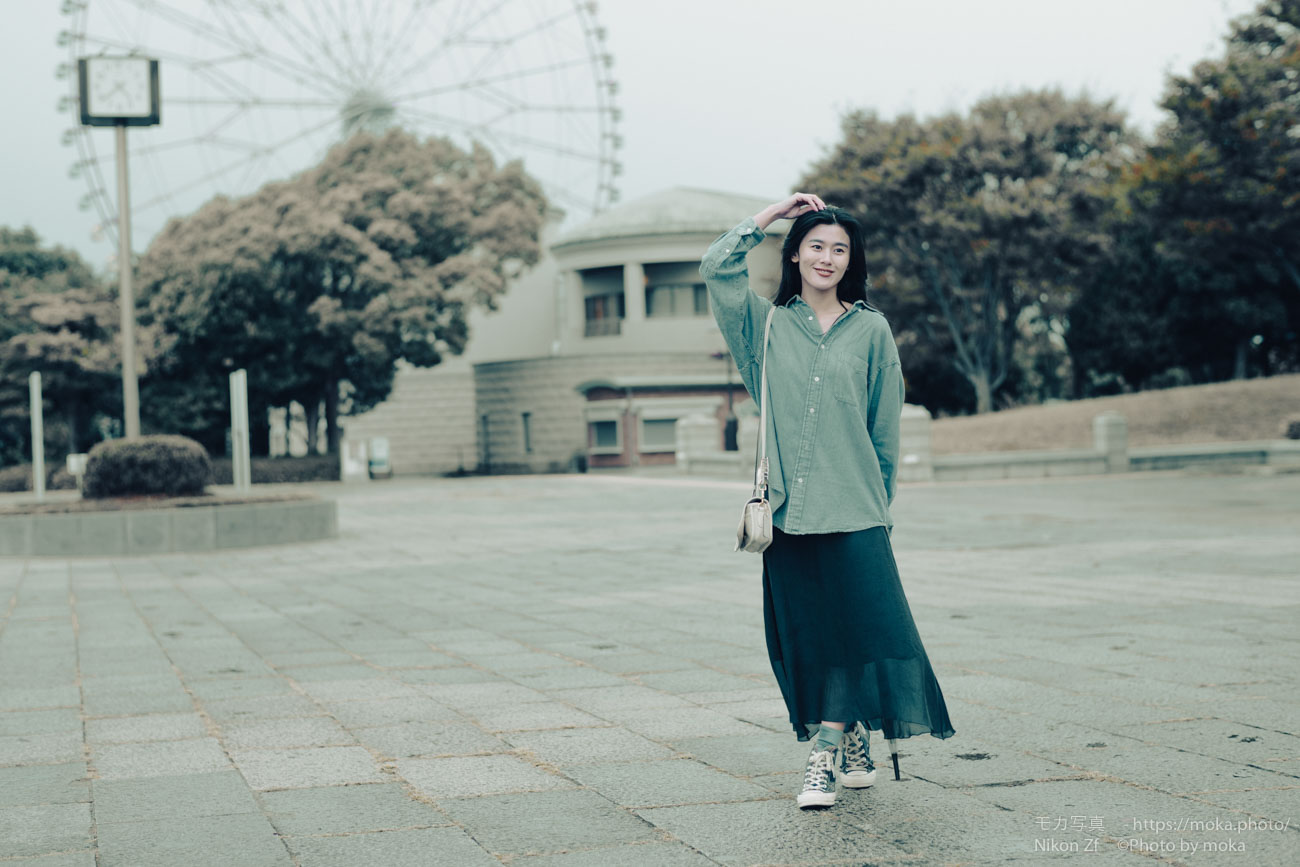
[[285, 470], [19, 478], [173, 465], [1291, 427]]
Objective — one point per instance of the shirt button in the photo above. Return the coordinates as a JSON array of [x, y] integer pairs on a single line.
[[810, 319], [799, 481], [812, 409], [822, 346], [817, 379], [726, 249]]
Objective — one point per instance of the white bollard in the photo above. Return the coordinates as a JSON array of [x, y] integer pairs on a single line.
[[241, 466], [38, 435]]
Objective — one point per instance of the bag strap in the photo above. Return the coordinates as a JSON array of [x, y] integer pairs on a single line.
[[760, 454]]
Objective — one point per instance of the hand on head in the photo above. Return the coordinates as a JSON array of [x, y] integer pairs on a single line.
[[787, 209], [798, 205]]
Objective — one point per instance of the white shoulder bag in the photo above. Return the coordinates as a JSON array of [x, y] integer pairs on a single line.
[[755, 531]]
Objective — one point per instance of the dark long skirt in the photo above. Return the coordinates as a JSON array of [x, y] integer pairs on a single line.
[[841, 637]]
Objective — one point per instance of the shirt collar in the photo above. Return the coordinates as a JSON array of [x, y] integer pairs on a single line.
[[799, 298]]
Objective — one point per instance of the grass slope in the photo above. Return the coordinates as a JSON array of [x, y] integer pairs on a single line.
[[1251, 409]]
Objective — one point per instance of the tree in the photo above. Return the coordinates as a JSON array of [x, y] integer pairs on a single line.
[[56, 317], [320, 284], [977, 227], [1222, 184]]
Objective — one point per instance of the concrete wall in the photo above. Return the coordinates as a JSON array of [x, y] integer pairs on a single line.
[[139, 532], [546, 388], [428, 420]]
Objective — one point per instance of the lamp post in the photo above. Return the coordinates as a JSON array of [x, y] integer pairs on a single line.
[[730, 426], [121, 92]]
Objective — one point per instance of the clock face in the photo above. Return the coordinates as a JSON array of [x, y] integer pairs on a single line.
[[118, 87]]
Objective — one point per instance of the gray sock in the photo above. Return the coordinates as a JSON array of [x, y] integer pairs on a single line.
[[828, 738]]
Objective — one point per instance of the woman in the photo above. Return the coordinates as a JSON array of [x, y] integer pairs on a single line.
[[840, 634]]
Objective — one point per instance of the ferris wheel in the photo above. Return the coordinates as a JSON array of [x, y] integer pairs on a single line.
[[257, 90]]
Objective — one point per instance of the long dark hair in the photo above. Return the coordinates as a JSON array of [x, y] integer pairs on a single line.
[[853, 285]]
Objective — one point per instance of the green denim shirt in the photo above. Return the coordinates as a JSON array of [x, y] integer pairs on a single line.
[[835, 398]]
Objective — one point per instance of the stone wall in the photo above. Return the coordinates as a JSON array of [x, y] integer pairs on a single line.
[[546, 389], [428, 420]]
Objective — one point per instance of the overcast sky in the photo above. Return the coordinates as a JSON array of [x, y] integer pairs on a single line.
[[727, 95]]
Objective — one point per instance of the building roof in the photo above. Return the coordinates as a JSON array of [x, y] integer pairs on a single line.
[[680, 210]]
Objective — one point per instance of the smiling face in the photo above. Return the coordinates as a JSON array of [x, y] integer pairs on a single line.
[[823, 258]]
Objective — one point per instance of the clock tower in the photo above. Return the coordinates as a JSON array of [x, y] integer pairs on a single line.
[[121, 92]]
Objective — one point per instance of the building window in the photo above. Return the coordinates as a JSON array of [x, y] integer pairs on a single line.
[[659, 435], [604, 315], [605, 437], [528, 432], [603, 300], [677, 299]]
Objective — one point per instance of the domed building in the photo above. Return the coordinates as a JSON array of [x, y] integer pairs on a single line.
[[593, 356]]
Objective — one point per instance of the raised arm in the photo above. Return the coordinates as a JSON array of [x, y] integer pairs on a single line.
[[739, 311]]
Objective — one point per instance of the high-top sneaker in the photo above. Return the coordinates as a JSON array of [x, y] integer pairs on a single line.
[[819, 780], [856, 768]]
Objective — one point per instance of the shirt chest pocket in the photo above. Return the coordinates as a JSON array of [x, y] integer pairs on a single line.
[[848, 375]]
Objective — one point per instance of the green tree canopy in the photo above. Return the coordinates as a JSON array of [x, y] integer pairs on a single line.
[[318, 285], [1222, 188], [977, 226], [56, 317]]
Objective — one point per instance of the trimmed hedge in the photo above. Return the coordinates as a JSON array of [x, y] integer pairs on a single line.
[[266, 471], [163, 464]]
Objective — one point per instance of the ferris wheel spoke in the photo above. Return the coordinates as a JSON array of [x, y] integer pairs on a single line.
[[394, 39], [204, 29], [452, 38], [304, 70], [251, 39], [500, 45], [147, 151], [257, 102], [313, 36], [225, 169], [339, 18], [369, 26], [481, 82], [404, 45], [216, 75], [506, 135]]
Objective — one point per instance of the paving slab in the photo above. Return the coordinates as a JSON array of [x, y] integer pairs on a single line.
[[435, 847], [540, 822], [160, 759], [45, 828], [33, 785], [456, 776], [583, 746], [184, 796], [246, 839], [305, 767], [347, 810]]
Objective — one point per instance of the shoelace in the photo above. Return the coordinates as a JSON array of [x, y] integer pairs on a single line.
[[821, 768], [855, 752]]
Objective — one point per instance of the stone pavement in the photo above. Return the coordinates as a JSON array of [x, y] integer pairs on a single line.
[[570, 671]]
